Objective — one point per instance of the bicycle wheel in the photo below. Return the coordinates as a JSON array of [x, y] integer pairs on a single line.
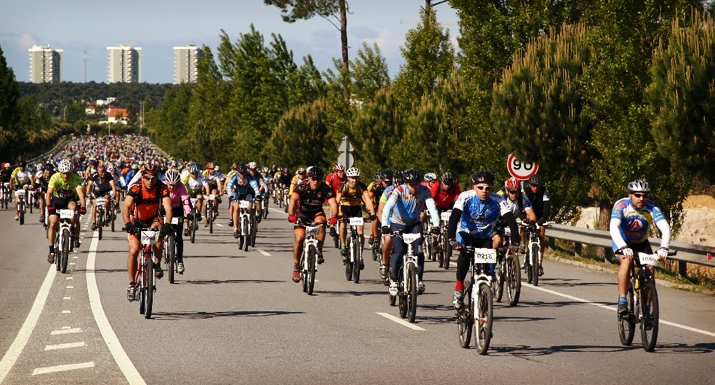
[[192, 228], [21, 208], [465, 318], [312, 255], [446, 252], [527, 266], [627, 324], [355, 250], [254, 230], [498, 282], [483, 319], [265, 209], [65, 249], [349, 263], [113, 216], [401, 295], [411, 293], [170, 250], [535, 263], [30, 203], [650, 317], [513, 279], [303, 274], [210, 217], [247, 237], [100, 224], [148, 286]]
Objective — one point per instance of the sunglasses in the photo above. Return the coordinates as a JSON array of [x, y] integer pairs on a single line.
[[513, 191], [639, 195], [488, 188], [149, 177], [315, 179], [533, 185]]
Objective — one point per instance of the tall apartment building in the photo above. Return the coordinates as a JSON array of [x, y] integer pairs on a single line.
[[186, 61], [125, 64], [45, 64]]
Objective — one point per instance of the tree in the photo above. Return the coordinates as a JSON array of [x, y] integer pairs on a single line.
[[75, 112], [369, 73], [293, 10], [304, 124], [378, 127], [9, 97]]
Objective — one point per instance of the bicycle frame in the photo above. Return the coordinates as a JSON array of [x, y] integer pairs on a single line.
[[244, 214], [409, 258]]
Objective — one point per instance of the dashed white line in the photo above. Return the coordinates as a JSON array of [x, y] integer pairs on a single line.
[[400, 321], [28, 326], [219, 225], [110, 338], [62, 368], [66, 298], [66, 312], [69, 278], [264, 252], [69, 287], [66, 331], [65, 346]]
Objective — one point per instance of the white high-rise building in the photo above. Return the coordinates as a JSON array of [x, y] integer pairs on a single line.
[[45, 64], [186, 62], [125, 64]]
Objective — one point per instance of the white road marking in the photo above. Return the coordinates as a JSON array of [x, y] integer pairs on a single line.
[[75, 257], [69, 287], [219, 225], [400, 321], [66, 331], [72, 263], [66, 298], [69, 278], [110, 338], [66, 312], [276, 210], [28, 326], [62, 368], [65, 346], [264, 252]]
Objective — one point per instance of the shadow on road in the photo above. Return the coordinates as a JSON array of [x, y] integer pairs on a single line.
[[214, 256], [685, 349], [219, 282], [526, 351], [564, 282], [205, 315], [350, 293]]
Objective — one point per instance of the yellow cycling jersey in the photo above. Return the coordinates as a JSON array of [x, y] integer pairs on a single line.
[[294, 182], [351, 196]]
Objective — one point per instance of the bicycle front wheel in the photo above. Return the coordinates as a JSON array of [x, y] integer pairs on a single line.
[[169, 249], [513, 279], [627, 324], [355, 247], [446, 252], [66, 239], [465, 318], [148, 287], [21, 208], [650, 316], [411, 293], [483, 312], [192, 228], [311, 269]]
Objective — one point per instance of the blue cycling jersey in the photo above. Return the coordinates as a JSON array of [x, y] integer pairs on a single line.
[[404, 208], [479, 216], [635, 223], [238, 186]]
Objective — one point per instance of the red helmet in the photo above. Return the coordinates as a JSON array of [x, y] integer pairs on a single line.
[[150, 169], [512, 184], [338, 167]]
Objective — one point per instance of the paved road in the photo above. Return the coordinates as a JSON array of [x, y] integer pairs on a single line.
[[236, 317]]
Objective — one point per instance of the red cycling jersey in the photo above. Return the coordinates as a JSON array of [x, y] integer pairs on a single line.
[[445, 199], [334, 181]]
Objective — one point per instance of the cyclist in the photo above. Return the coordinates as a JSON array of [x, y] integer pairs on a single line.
[[262, 187], [630, 219], [212, 185], [194, 181], [100, 185], [63, 191], [402, 212], [336, 178], [298, 179], [349, 197], [446, 192], [306, 204], [387, 241], [241, 187], [180, 208], [5, 174], [375, 191], [472, 223], [539, 197], [41, 183], [430, 180], [22, 178], [141, 208], [520, 206]]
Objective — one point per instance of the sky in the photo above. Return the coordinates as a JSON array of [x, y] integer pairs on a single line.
[[159, 25]]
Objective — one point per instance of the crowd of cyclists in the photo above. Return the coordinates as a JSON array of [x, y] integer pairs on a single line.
[[151, 188]]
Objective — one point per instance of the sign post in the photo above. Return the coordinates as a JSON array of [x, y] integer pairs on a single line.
[[520, 170], [344, 153]]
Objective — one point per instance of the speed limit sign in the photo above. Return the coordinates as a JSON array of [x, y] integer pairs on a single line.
[[520, 170]]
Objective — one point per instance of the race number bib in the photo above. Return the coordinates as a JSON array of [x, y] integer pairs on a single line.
[[485, 256], [356, 221], [648, 259], [148, 237]]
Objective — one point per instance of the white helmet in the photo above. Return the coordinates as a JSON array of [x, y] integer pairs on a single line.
[[638, 186], [430, 176], [353, 172], [64, 166], [252, 165], [172, 176]]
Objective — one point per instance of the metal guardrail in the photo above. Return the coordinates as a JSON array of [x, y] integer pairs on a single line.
[[687, 252], [63, 141]]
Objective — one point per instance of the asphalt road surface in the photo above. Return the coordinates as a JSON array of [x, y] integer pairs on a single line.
[[236, 317]]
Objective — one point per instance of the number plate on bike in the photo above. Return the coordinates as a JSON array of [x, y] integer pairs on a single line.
[[66, 214], [19, 192], [445, 215], [193, 201], [356, 221], [243, 204], [212, 197], [312, 231], [409, 238], [148, 237], [101, 201], [648, 259], [174, 221], [485, 256]]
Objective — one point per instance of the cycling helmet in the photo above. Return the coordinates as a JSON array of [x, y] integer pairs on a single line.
[[174, 163], [110, 168], [216, 168], [386, 175], [483, 177], [535, 180], [150, 169], [411, 175], [241, 168], [39, 167], [141, 163], [300, 171], [638, 186], [209, 166], [397, 178], [172, 176], [447, 178], [23, 164], [378, 176], [193, 169], [135, 167], [317, 172], [430, 176], [264, 170], [64, 166], [338, 167], [49, 167], [511, 184], [353, 172]]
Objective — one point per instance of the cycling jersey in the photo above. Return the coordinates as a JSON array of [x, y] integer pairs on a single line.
[[386, 193], [240, 188], [540, 202], [351, 196], [212, 180], [193, 184], [311, 201], [147, 201], [21, 177], [404, 207], [444, 199], [298, 181], [334, 181], [5, 176], [519, 205], [101, 184], [64, 188], [478, 217], [180, 198], [284, 179], [630, 226]]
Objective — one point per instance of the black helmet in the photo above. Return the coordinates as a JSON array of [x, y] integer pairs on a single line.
[[411, 175], [447, 178], [535, 180], [397, 178], [23, 163], [483, 177], [315, 172], [49, 167], [241, 168], [386, 175]]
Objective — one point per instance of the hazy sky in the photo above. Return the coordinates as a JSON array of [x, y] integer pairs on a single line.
[[159, 25]]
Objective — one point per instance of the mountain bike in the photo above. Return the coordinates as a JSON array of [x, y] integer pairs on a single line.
[[377, 246], [445, 249], [145, 276], [64, 238], [532, 259], [211, 212], [6, 196], [407, 277], [21, 195], [170, 248], [309, 258], [101, 203], [431, 243], [478, 306], [193, 224], [245, 227], [264, 206], [355, 244], [643, 305], [286, 199]]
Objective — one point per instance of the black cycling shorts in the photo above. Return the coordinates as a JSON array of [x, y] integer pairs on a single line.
[[351, 211], [60, 203]]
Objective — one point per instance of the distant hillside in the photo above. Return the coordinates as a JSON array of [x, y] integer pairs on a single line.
[[61, 94]]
